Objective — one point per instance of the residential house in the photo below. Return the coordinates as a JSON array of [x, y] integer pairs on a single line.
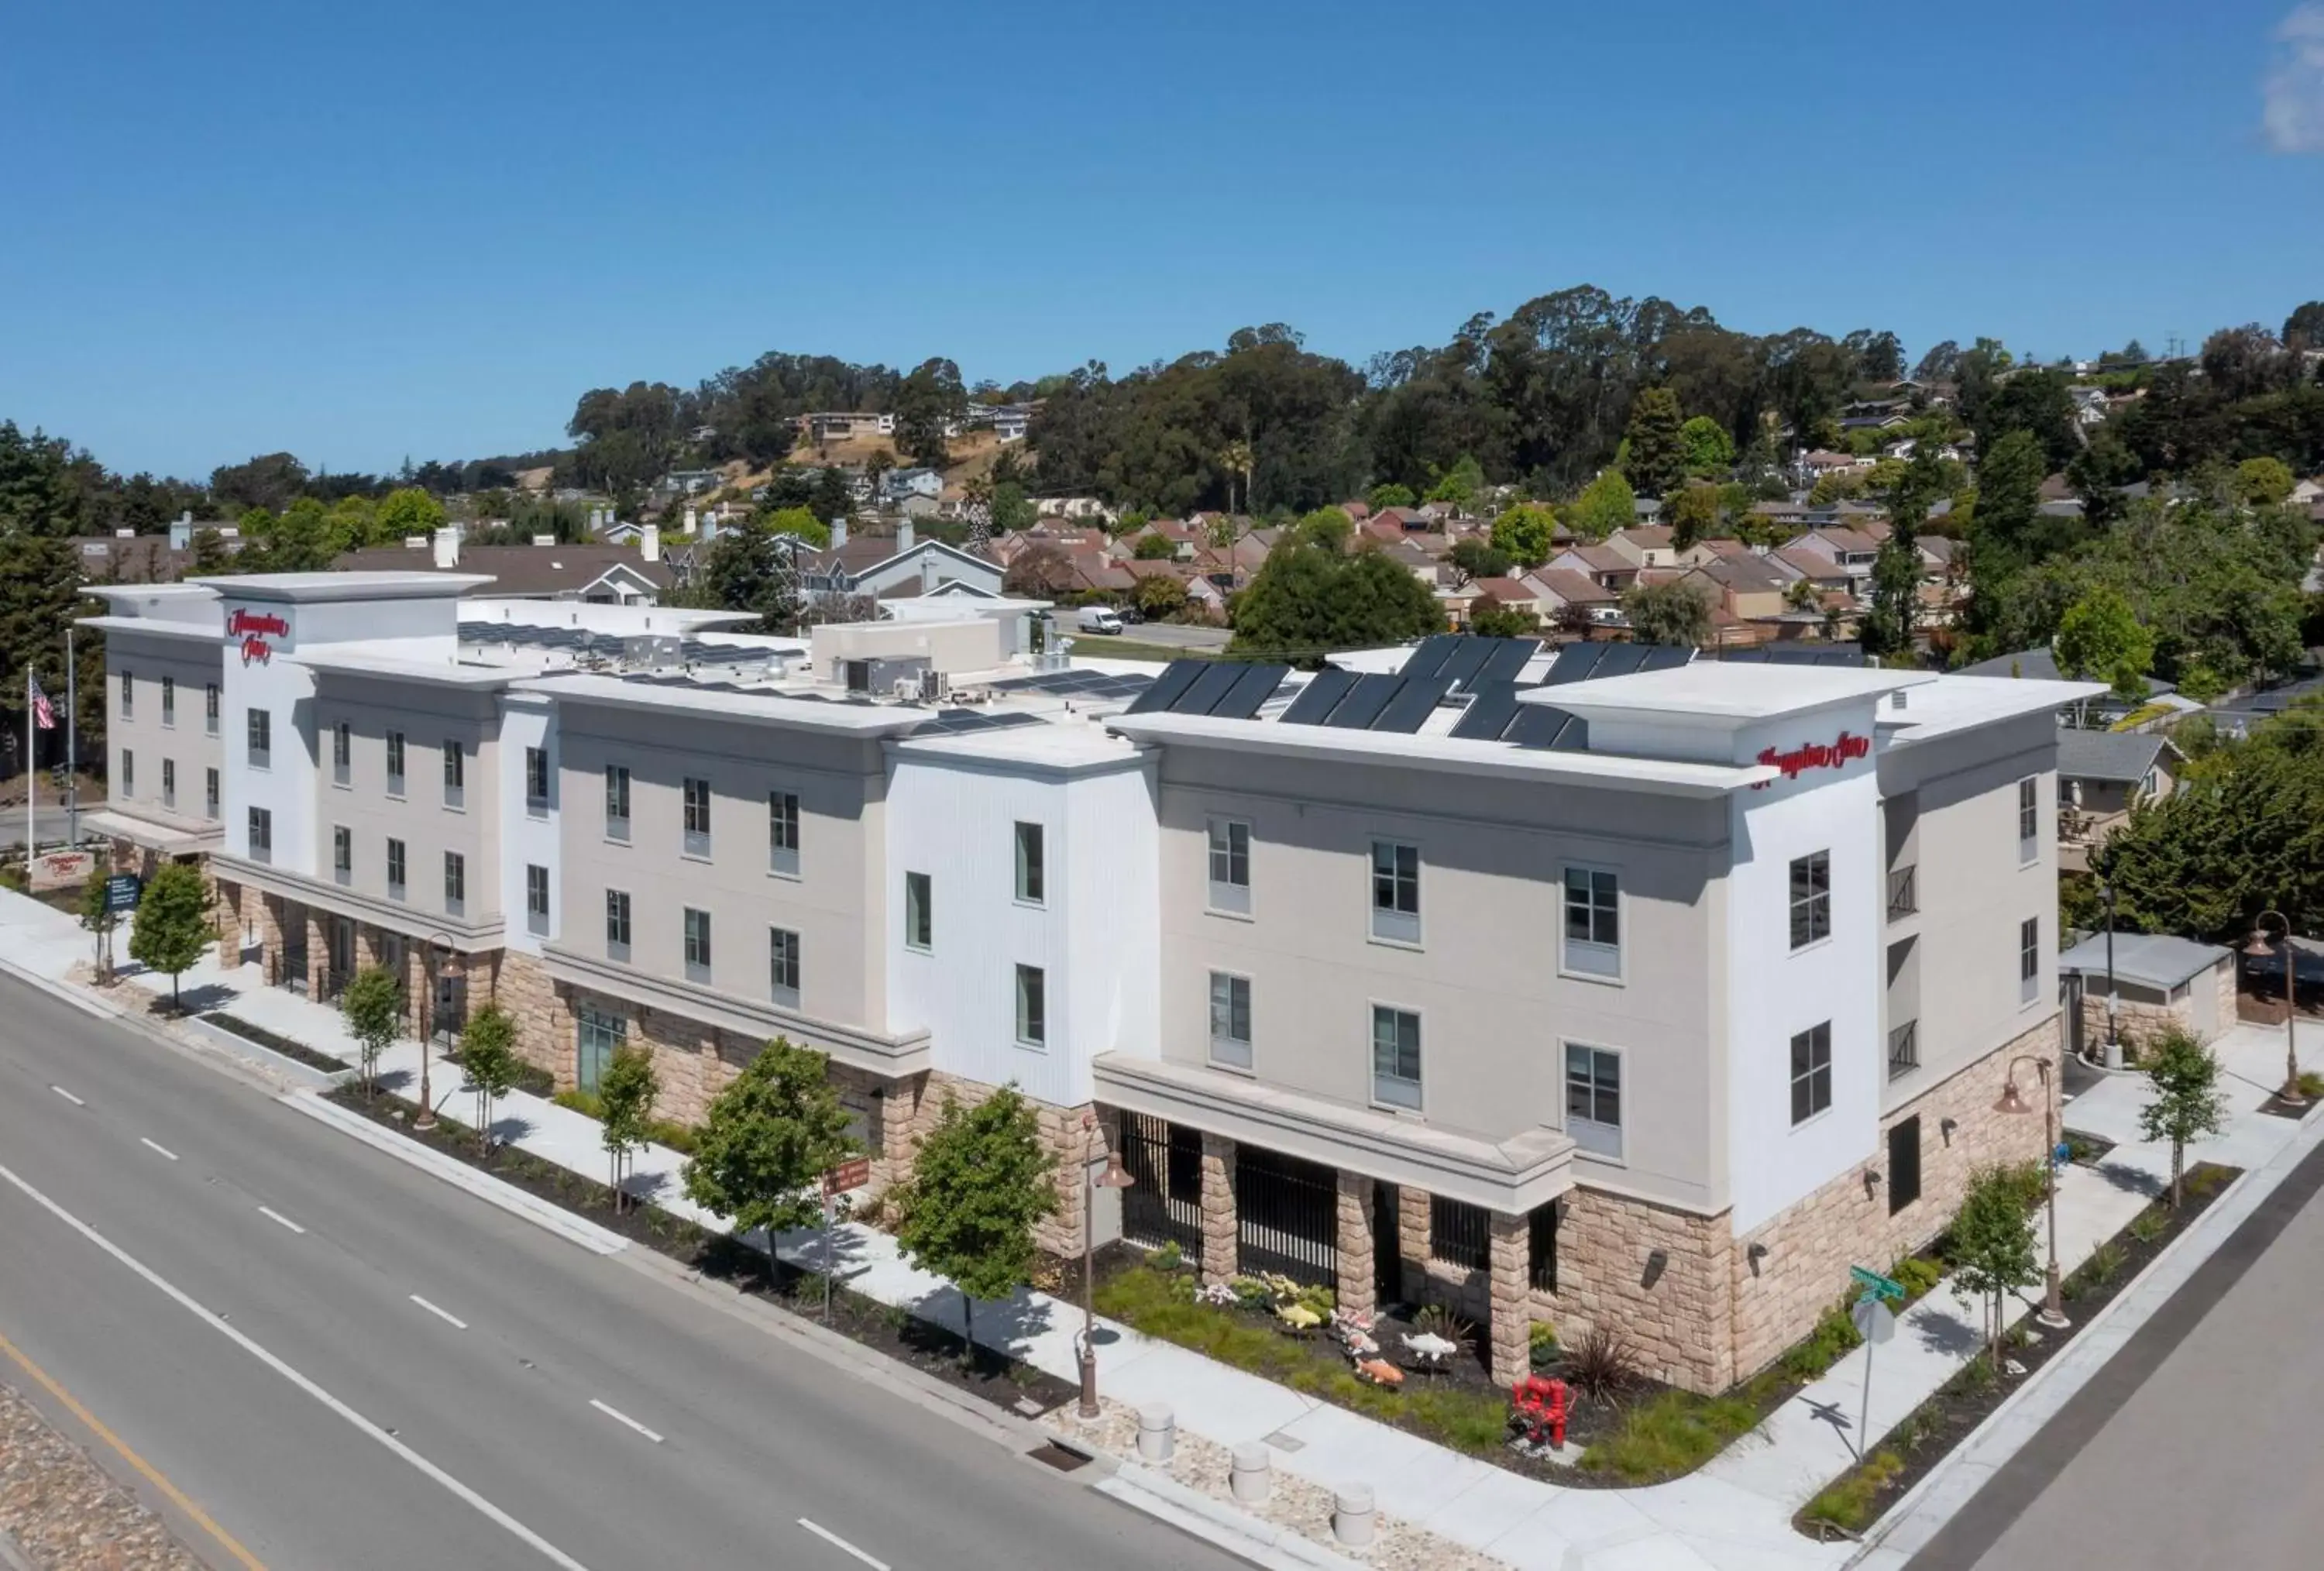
[[1645, 545], [598, 573], [1603, 564]]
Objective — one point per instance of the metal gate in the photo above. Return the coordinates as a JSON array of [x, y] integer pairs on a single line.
[[1164, 1202], [1288, 1213]]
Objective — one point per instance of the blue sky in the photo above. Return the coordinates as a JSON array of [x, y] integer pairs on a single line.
[[360, 231]]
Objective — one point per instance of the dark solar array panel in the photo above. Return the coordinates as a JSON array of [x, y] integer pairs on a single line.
[[1176, 679], [1254, 687], [1490, 712], [1323, 689], [1428, 657], [1664, 657], [1407, 710], [1362, 706], [1575, 663], [1468, 659], [1505, 661], [1208, 688], [952, 721], [1620, 660], [1541, 727]]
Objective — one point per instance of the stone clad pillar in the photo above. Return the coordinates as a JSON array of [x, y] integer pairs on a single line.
[[1354, 1288], [1512, 1315], [1413, 1229], [1219, 1222]]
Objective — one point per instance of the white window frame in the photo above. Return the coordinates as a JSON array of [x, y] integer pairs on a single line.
[[925, 942], [1228, 1050], [1596, 1136], [2029, 820], [1392, 924], [261, 831], [1032, 1025], [1398, 1100], [694, 795], [1030, 872], [617, 794], [536, 773], [2029, 960], [1794, 1075], [617, 924], [210, 709], [455, 775], [258, 738], [1225, 896], [1590, 959], [782, 956], [783, 829], [342, 754], [396, 760], [399, 869], [536, 898], [456, 883], [1815, 903], [342, 853], [169, 703], [694, 947], [170, 784]]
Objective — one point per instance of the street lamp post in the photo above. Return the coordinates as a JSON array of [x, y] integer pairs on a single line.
[[2291, 1096], [2053, 1309], [1109, 1173], [427, 1119]]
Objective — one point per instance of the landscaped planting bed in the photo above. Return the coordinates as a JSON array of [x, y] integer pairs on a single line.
[[935, 1350], [1857, 1498], [273, 1043]]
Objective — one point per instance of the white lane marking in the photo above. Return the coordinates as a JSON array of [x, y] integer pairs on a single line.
[[439, 1313], [68, 1096], [271, 1215], [829, 1536], [217, 1322], [619, 1417], [158, 1150]]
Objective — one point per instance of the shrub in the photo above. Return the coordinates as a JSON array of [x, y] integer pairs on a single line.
[[1848, 1503], [1834, 1335], [1436, 1320], [2149, 1225], [1169, 1257], [2205, 1181], [1917, 1274], [1603, 1366], [2312, 1084], [2105, 1262], [1672, 1434], [1541, 1343]]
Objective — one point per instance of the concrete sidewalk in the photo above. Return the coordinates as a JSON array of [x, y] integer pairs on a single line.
[[1733, 1515]]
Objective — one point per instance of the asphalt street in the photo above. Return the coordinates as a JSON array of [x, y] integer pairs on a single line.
[[344, 1363], [2198, 1444]]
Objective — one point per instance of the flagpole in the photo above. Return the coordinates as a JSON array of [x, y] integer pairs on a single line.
[[31, 781], [72, 747]]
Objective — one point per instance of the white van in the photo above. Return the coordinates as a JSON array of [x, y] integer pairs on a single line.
[[1099, 619]]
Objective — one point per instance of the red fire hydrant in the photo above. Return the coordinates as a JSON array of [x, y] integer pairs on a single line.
[[1537, 1407]]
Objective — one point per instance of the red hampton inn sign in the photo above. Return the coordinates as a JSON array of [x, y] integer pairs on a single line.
[[254, 628], [1794, 761]]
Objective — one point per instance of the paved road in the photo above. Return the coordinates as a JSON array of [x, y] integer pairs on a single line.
[[1170, 634], [2198, 1444], [326, 1417]]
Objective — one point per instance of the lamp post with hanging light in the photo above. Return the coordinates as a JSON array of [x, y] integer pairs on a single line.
[[2255, 946], [1109, 1174], [2054, 1305]]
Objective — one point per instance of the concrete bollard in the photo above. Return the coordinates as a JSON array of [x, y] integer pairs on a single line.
[[1248, 1480], [1351, 1516], [1156, 1432]]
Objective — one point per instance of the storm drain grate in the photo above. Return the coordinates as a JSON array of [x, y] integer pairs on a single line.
[[1058, 1456]]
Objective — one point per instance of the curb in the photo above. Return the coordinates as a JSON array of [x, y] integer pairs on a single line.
[[2057, 1383], [540, 1213], [291, 1069], [1215, 1521], [248, 1059]]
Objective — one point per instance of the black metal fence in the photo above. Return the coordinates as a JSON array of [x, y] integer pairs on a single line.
[[1460, 1233], [1289, 1216], [1164, 1202]]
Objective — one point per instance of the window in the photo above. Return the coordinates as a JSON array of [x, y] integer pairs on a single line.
[[169, 700], [128, 774], [1230, 1020], [209, 793], [261, 725], [2029, 820], [536, 779], [617, 924], [698, 944], [536, 898], [210, 708], [783, 967], [1396, 891], [1904, 1164], [1811, 1072], [598, 1037], [783, 833], [169, 782], [128, 695], [1541, 1247], [395, 763], [1028, 863], [1230, 865], [1810, 900], [1593, 1099], [342, 853], [697, 817], [1593, 922], [1459, 1234], [2029, 958], [262, 834], [395, 869], [455, 882], [456, 775], [1032, 1006], [617, 803], [343, 751], [1396, 1057], [919, 912]]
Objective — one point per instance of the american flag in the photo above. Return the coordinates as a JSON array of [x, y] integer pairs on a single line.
[[44, 714]]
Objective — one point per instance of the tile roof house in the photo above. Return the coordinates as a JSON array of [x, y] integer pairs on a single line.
[[597, 573], [1602, 563], [1648, 545]]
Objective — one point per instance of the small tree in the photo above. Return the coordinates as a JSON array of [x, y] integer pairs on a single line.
[[1524, 533], [1668, 612], [626, 1091], [980, 1183], [488, 1056], [2186, 1105], [97, 915], [172, 927], [373, 1008], [769, 1139], [1993, 1247]]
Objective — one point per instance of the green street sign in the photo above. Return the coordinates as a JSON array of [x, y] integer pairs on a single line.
[[1877, 1286]]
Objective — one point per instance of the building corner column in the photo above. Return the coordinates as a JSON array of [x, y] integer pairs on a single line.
[[1354, 1292], [1412, 1240], [1512, 1312], [1219, 1222]]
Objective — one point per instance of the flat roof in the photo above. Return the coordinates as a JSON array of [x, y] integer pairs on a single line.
[[1718, 692], [1956, 703], [1059, 744], [310, 587], [768, 706], [2149, 959]]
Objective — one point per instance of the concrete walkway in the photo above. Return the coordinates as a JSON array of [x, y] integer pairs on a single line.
[[1733, 1515]]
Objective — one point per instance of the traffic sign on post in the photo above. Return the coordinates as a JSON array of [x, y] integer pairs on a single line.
[[1877, 1286], [848, 1175], [1875, 1322], [123, 891]]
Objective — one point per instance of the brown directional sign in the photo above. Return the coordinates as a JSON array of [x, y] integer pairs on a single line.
[[847, 1175]]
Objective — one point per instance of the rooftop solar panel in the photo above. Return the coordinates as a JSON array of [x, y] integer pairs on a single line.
[[1488, 712], [1176, 679], [1417, 700], [1202, 695], [1541, 727], [1468, 659], [1428, 656], [1620, 660], [1325, 688], [1505, 662], [1664, 657], [1255, 686], [1363, 704], [1575, 662]]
